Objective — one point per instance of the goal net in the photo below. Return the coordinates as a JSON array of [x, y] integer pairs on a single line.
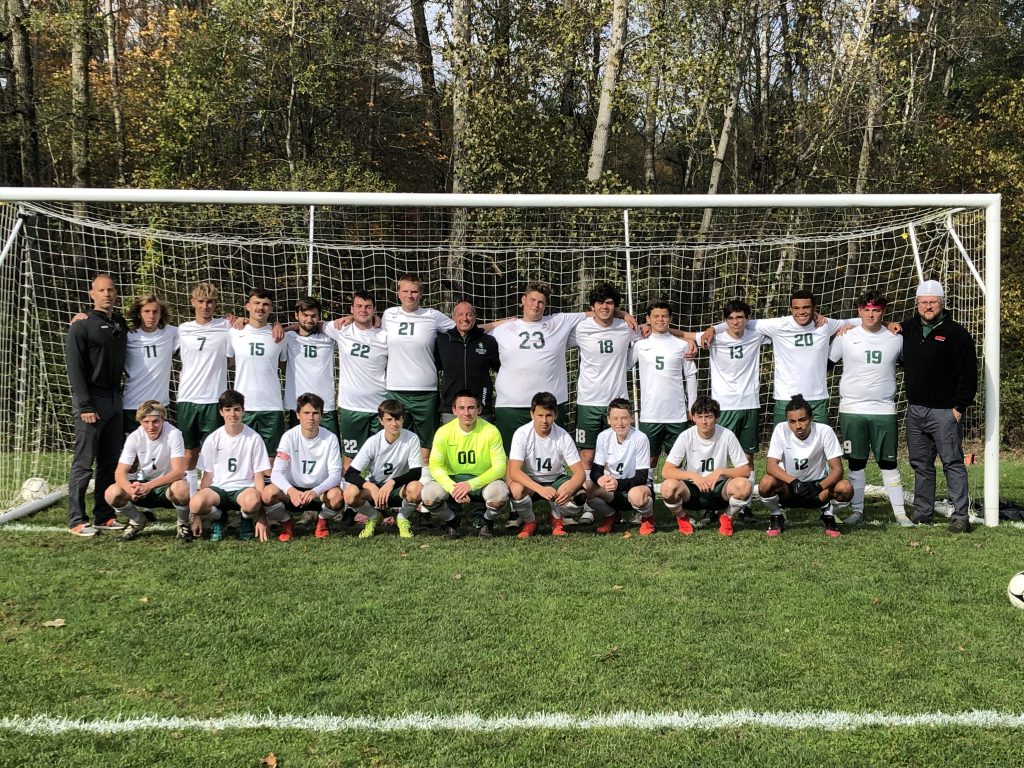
[[674, 247]]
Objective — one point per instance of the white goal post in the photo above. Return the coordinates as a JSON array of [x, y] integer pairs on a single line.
[[696, 250]]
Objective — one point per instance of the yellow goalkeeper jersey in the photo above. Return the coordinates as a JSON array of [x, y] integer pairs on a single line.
[[478, 454]]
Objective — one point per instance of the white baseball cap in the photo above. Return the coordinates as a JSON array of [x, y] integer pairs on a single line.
[[930, 288]]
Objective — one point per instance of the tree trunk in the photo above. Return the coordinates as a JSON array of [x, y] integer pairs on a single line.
[[425, 65], [599, 143], [651, 129], [114, 69], [80, 98], [289, 134], [460, 124], [25, 104]]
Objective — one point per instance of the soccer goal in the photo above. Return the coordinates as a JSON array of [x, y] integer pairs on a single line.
[[696, 251]]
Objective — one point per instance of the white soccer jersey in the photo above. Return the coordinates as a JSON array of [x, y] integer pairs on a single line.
[[257, 358], [805, 459], [623, 460], [147, 366], [385, 460], [801, 355], [868, 383], [310, 368], [604, 360], [533, 358], [693, 453], [362, 363], [410, 337], [736, 370], [309, 463], [233, 460], [154, 456], [668, 381], [204, 351], [545, 459]]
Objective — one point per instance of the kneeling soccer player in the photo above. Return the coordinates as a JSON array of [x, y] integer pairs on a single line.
[[621, 471], [467, 464], [708, 482], [393, 464], [306, 474], [232, 460], [804, 470], [544, 463], [159, 449]]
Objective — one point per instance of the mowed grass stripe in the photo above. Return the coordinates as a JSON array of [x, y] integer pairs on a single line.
[[547, 721]]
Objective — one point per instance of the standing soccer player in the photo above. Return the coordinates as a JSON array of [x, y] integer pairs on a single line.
[[708, 482], [258, 357], [411, 373], [158, 448], [151, 346], [545, 464], [532, 352], [393, 463], [95, 349], [310, 355], [307, 473], [362, 366], [233, 461], [668, 381], [867, 406], [204, 348], [604, 342], [804, 469], [621, 471], [735, 364], [467, 464]]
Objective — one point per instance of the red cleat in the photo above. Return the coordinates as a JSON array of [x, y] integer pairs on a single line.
[[287, 531], [685, 525], [322, 531], [647, 526], [557, 526], [725, 525], [527, 530], [608, 524]]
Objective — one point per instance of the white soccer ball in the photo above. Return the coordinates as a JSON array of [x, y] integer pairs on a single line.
[[34, 488], [1015, 591]]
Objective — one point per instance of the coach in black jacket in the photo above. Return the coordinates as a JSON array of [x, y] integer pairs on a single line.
[[467, 356], [96, 348], [941, 379]]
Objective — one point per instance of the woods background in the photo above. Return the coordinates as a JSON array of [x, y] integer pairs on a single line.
[[527, 96]]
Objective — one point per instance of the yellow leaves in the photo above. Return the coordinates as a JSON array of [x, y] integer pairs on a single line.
[[55, 623]]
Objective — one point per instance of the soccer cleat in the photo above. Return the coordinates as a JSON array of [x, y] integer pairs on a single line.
[[113, 524], [904, 522], [959, 526], [84, 530], [371, 524], [404, 528], [853, 518], [132, 530], [725, 525], [322, 530], [246, 529], [557, 526], [608, 524], [831, 529], [217, 530], [647, 526], [451, 530], [487, 528], [527, 530], [775, 525], [287, 530], [685, 525], [184, 534]]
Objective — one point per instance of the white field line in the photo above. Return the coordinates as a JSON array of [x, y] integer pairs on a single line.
[[45, 725]]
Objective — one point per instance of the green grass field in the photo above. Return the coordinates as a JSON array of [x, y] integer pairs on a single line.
[[902, 622]]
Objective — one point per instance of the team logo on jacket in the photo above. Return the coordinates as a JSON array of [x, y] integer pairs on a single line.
[[480, 349]]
